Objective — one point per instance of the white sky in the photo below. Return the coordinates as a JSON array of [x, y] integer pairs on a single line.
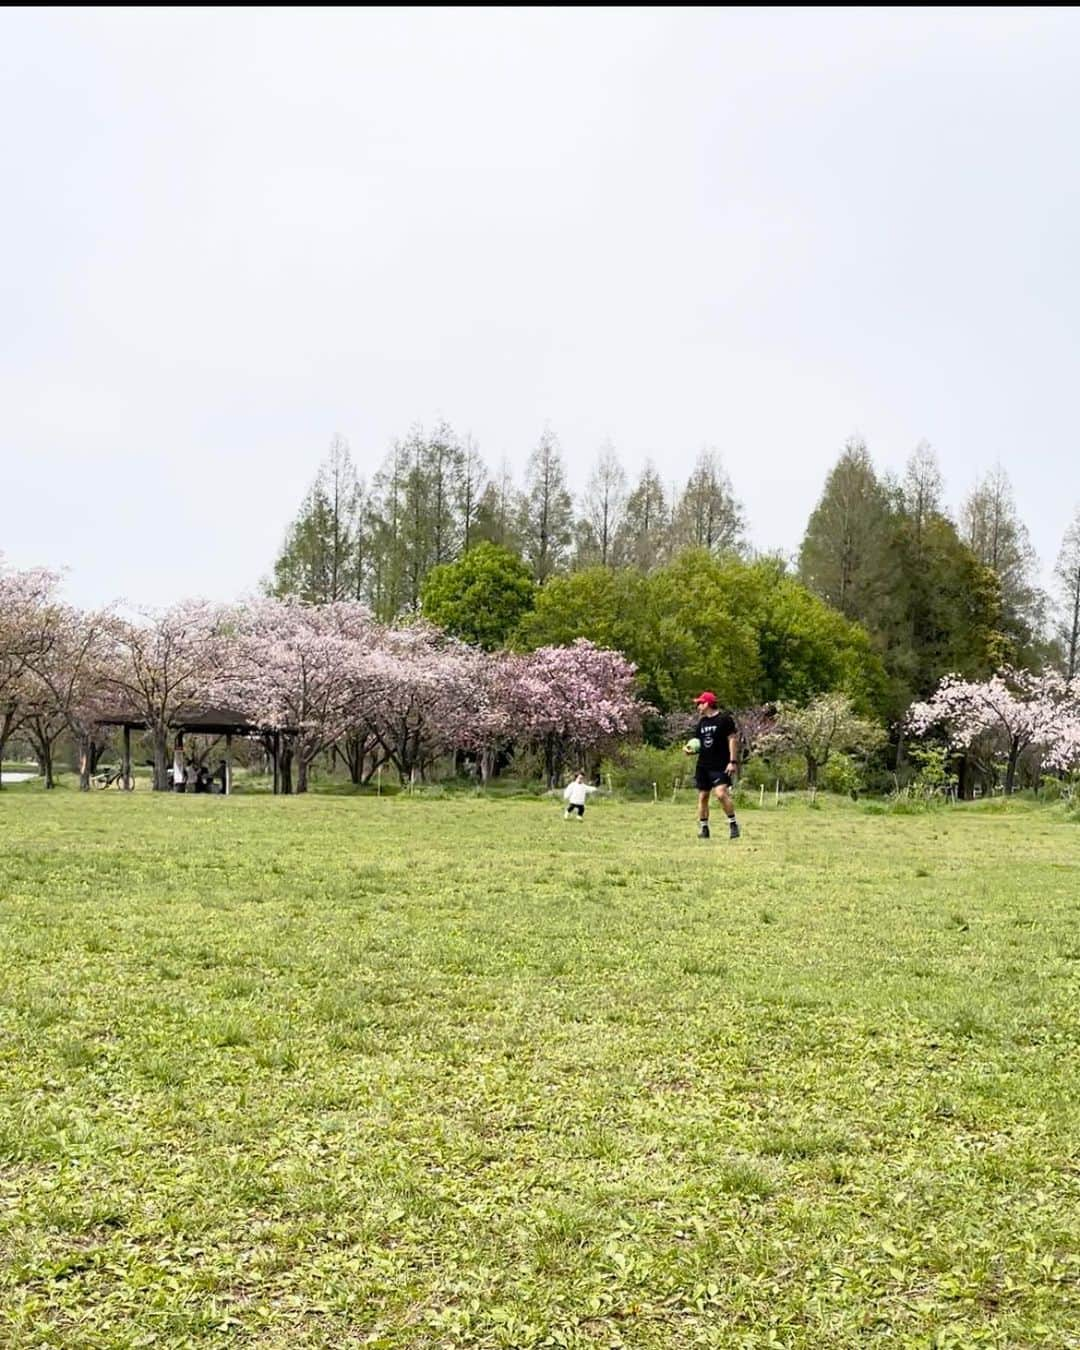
[[225, 236]]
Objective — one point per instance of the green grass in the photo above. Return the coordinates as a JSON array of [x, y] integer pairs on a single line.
[[424, 1073]]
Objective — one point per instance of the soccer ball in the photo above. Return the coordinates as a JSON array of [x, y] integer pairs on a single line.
[[693, 745]]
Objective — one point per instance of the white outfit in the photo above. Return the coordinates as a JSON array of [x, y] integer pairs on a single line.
[[577, 794]]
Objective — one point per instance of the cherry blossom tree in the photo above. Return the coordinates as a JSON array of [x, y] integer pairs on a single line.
[[1012, 711], [67, 667], [494, 708], [424, 695], [572, 700], [298, 669], [166, 661], [25, 597]]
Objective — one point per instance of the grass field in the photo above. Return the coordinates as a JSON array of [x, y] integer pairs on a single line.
[[409, 1073]]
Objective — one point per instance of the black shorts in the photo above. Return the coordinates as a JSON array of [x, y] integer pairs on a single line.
[[707, 779]]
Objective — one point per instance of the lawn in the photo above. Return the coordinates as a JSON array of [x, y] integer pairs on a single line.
[[417, 1073]]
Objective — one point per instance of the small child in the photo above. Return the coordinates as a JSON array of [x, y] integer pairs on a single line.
[[576, 794]]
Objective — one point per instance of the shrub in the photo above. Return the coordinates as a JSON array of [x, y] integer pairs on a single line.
[[636, 770], [1053, 789], [761, 772], [933, 777], [842, 774]]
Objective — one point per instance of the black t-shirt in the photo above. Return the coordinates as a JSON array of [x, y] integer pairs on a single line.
[[713, 732]]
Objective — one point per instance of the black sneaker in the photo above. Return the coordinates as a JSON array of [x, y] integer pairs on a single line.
[[733, 829], [703, 829]]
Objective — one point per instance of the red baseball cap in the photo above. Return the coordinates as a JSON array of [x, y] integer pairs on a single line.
[[707, 697]]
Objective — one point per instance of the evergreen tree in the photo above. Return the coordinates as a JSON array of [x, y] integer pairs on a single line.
[[846, 555], [1067, 579], [324, 551], [498, 513], [386, 513], [471, 485], [602, 511], [991, 527], [643, 537], [708, 516], [922, 489], [546, 513], [417, 514]]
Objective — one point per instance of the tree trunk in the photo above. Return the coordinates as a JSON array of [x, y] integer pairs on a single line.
[[353, 755], [1010, 771], [811, 771], [554, 759], [286, 767], [161, 760], [302, 766], [86, 767], [42, 751], [9, 720]]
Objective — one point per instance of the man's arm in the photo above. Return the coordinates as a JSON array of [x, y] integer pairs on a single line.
[[733, 752], [696, 732]]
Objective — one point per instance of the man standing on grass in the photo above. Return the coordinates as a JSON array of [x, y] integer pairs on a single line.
[[717, 764]]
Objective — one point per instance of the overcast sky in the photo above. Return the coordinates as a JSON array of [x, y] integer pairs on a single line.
[[226, 236]]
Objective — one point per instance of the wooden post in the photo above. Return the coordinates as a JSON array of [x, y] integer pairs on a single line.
[[228, 763], [761, 798], [126, 768]]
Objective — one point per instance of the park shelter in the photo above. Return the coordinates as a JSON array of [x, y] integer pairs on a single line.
[[200, 722]]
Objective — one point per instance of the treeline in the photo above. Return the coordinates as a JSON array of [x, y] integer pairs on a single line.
[[888, 592], [434, 499]]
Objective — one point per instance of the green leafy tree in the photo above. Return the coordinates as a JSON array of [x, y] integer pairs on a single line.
[[697, 636], [675, 625], [805, 647], [606, 605], [482, 597], [749, 631]]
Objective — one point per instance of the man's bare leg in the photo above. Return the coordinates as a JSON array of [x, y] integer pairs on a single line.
[[723, 796]]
